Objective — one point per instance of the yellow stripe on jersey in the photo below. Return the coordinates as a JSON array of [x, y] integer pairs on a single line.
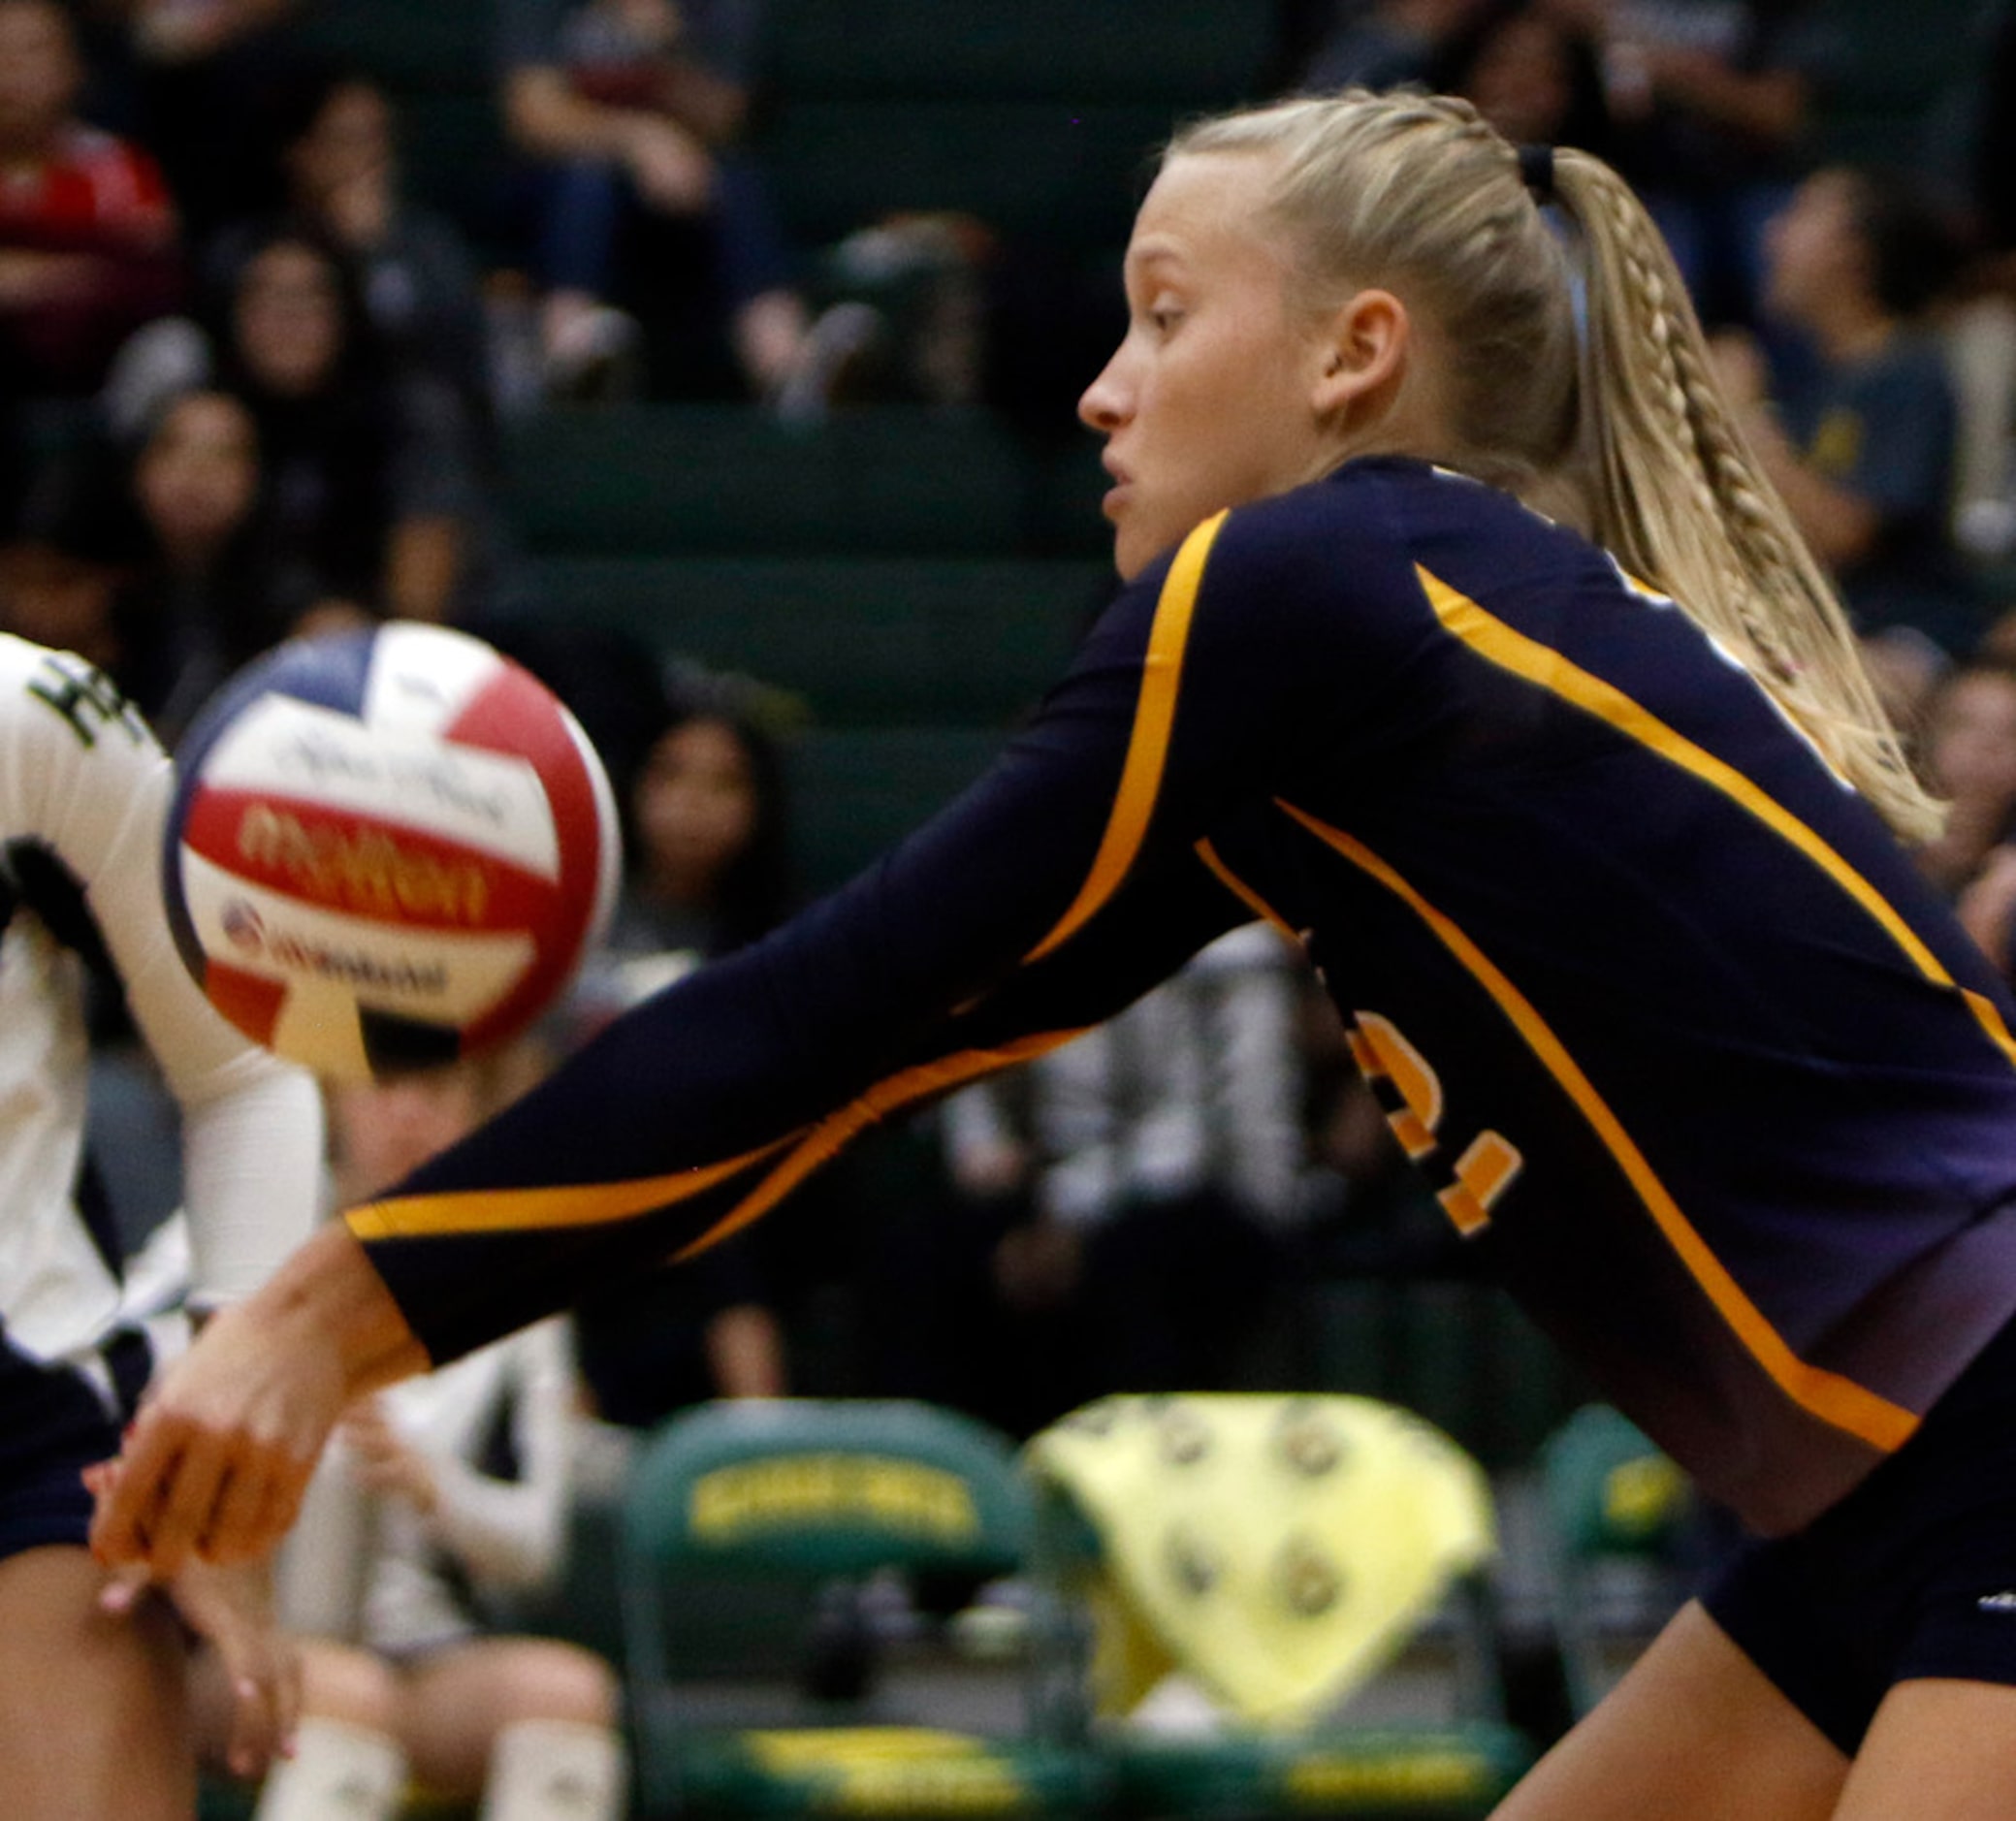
[[1244, 892], [1828, 1396], [509, 1210], [1490, 637], [838, 1130], [1148, 745], [591, 1204]]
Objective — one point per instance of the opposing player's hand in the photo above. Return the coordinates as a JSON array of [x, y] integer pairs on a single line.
[[232, 1611]]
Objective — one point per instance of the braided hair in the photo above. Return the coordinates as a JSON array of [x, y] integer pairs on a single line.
[[1622, 427]]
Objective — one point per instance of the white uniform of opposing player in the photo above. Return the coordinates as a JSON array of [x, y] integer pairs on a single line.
[[96, 1720]]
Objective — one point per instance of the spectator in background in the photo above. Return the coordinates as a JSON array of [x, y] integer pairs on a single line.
[[631, 110], [1536, 75], [1712, 99], [371, 503], [708, 873], [149, 557], [421, 287], [59, 584], [87, 231], [1134, 1193], [1864, 451], [207, 73], [1969, 756], [1383, 43], [709, 837], [198, 597], [468, 1479]]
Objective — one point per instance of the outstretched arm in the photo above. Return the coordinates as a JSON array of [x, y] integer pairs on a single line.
[[1059, 887]]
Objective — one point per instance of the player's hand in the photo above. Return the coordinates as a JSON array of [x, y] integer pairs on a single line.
[[216, 1462], [218, 1458], [232, 1611]]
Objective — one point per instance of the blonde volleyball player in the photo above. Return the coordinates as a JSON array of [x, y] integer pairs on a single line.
[[1592, 823]]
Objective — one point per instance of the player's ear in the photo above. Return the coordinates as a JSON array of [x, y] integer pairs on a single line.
[[1361, 353]]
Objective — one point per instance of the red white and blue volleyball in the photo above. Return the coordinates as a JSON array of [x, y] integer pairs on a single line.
[[388, 849]]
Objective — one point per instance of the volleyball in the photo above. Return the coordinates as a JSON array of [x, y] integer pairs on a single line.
[[387, 849]]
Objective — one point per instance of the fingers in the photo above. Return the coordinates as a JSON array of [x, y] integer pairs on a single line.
[[180, 1493], [292, 1680], [184, 1517], [254, 1524], [237, 1520], [122, 1528], [265, 1700], [122, 1590]]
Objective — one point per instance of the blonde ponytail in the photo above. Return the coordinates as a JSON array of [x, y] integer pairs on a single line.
[[1676, 494], [1419, 192]]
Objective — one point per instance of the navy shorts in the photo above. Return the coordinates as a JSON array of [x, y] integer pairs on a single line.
[[54, 1424], [1912, 1575]]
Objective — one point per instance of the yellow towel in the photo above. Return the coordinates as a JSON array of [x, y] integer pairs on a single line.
[[1279, 1549]]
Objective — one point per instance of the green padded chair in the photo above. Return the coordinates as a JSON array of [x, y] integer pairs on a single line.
[[750, 1530], [1614, 1508]]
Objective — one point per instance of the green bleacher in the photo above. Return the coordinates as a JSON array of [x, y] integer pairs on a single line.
[[1893, 69], [1186, 51], [861, 641], [856, 791], [728, 480]]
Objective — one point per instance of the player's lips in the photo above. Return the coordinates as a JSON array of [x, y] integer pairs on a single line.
[[1116, 494]]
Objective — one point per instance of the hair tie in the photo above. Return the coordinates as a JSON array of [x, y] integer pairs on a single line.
[[1536, 171]]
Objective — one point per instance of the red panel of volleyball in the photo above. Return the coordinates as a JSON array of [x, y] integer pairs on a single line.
[[388, 849]]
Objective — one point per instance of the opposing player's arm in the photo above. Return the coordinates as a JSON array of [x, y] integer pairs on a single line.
[[90, 787]]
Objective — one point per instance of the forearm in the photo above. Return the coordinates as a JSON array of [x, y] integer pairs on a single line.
[[1768, 106], [1840, 527], [328, 1295], [252, 1177]]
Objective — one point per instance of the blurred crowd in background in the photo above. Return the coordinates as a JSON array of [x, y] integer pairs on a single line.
[[263, 372]]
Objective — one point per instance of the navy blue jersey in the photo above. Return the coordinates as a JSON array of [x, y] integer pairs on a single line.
[[1708, 1076]]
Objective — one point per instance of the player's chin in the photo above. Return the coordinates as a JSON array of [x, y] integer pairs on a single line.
[[1135, 545]]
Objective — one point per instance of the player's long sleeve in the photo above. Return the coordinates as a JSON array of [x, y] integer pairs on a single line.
[[1067, 882], [83, 793]]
